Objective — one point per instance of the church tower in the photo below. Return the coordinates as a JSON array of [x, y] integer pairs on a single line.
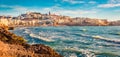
[[49, 13]]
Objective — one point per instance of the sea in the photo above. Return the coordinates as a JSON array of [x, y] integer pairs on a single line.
[[75, 41]]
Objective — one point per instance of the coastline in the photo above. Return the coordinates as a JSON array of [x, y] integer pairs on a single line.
[[16, 46]]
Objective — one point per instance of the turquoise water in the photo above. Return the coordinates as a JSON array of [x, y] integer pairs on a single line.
[[76, 41]]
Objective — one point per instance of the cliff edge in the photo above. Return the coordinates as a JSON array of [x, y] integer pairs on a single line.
[[12, 45]]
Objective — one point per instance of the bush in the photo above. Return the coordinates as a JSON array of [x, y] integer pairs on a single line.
[[11, 38]]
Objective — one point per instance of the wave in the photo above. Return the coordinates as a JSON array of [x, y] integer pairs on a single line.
[[117, 41], [84, 35], [41, 38], [27, 31], [84, 30], [81, 52], [87, 53]]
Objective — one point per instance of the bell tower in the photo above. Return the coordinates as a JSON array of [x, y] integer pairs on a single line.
[[49, 13]]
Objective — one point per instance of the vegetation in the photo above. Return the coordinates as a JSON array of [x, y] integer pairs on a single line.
[[11, 38], [12, 45]]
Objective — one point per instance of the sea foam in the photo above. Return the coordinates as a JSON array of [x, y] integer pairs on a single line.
[[112, 40], [41, 38]]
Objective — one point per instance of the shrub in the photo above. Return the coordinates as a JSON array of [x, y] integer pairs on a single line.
[[11, 38]]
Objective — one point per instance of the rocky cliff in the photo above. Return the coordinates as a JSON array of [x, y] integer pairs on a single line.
[[12, 45]]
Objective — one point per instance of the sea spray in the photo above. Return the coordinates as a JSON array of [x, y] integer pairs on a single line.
[[87, 53], [71, 41], [42, 38]]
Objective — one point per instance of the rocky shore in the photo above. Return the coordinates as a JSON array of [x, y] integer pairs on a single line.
[[12, 45]]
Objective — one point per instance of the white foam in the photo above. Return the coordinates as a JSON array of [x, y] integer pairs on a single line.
[[97, 36], [109, 39], [53, 35], [27, 31], [87, 53], [84, 30], [101, 37], [84, 35], [73, 55], [42, 38]]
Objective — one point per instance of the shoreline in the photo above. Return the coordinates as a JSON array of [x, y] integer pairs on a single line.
[[16, 46]]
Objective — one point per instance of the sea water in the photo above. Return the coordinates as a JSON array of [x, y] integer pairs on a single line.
[[76, 41]]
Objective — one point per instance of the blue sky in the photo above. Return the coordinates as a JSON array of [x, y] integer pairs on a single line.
[[103, 9]]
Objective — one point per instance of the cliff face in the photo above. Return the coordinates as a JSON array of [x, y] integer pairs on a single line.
[[11, 50], [12, 45]]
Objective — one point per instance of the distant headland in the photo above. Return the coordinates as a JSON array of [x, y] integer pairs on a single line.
[[38, 19]]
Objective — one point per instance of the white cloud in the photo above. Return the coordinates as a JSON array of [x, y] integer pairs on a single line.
[[67, 12], [18, 8], [75, 12], [92, 2], [14, 10], [54, 9], [79, 2], [74, 1], [114, 1], [109, 5]]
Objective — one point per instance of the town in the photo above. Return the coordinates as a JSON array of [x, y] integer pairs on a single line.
[[38, 19]]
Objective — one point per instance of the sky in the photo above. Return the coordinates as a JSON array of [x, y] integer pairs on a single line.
[[102, 9]]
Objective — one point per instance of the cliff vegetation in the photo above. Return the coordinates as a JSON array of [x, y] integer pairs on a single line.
[[12, 45]]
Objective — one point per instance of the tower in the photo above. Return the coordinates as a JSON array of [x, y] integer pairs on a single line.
[[49, 13]]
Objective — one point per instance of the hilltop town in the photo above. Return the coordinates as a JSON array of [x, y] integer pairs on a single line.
[[38, 19]]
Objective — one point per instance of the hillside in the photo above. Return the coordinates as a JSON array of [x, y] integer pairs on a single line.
[[12, 45]]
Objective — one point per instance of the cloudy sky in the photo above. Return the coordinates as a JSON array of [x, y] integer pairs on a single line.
[[103, 9]]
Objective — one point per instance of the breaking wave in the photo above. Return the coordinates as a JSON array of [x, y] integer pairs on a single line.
[[77, 53], [75, 41], [112, 40], [27, 31], [41, 38]]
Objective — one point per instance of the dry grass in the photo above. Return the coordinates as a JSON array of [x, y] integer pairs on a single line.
[[8, 50], [12, 45]]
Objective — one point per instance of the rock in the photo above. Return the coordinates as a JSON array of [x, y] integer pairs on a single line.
[[39, 50], [11, 28], [12, 45], [42, 49], [11, 38], [3, 26]]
